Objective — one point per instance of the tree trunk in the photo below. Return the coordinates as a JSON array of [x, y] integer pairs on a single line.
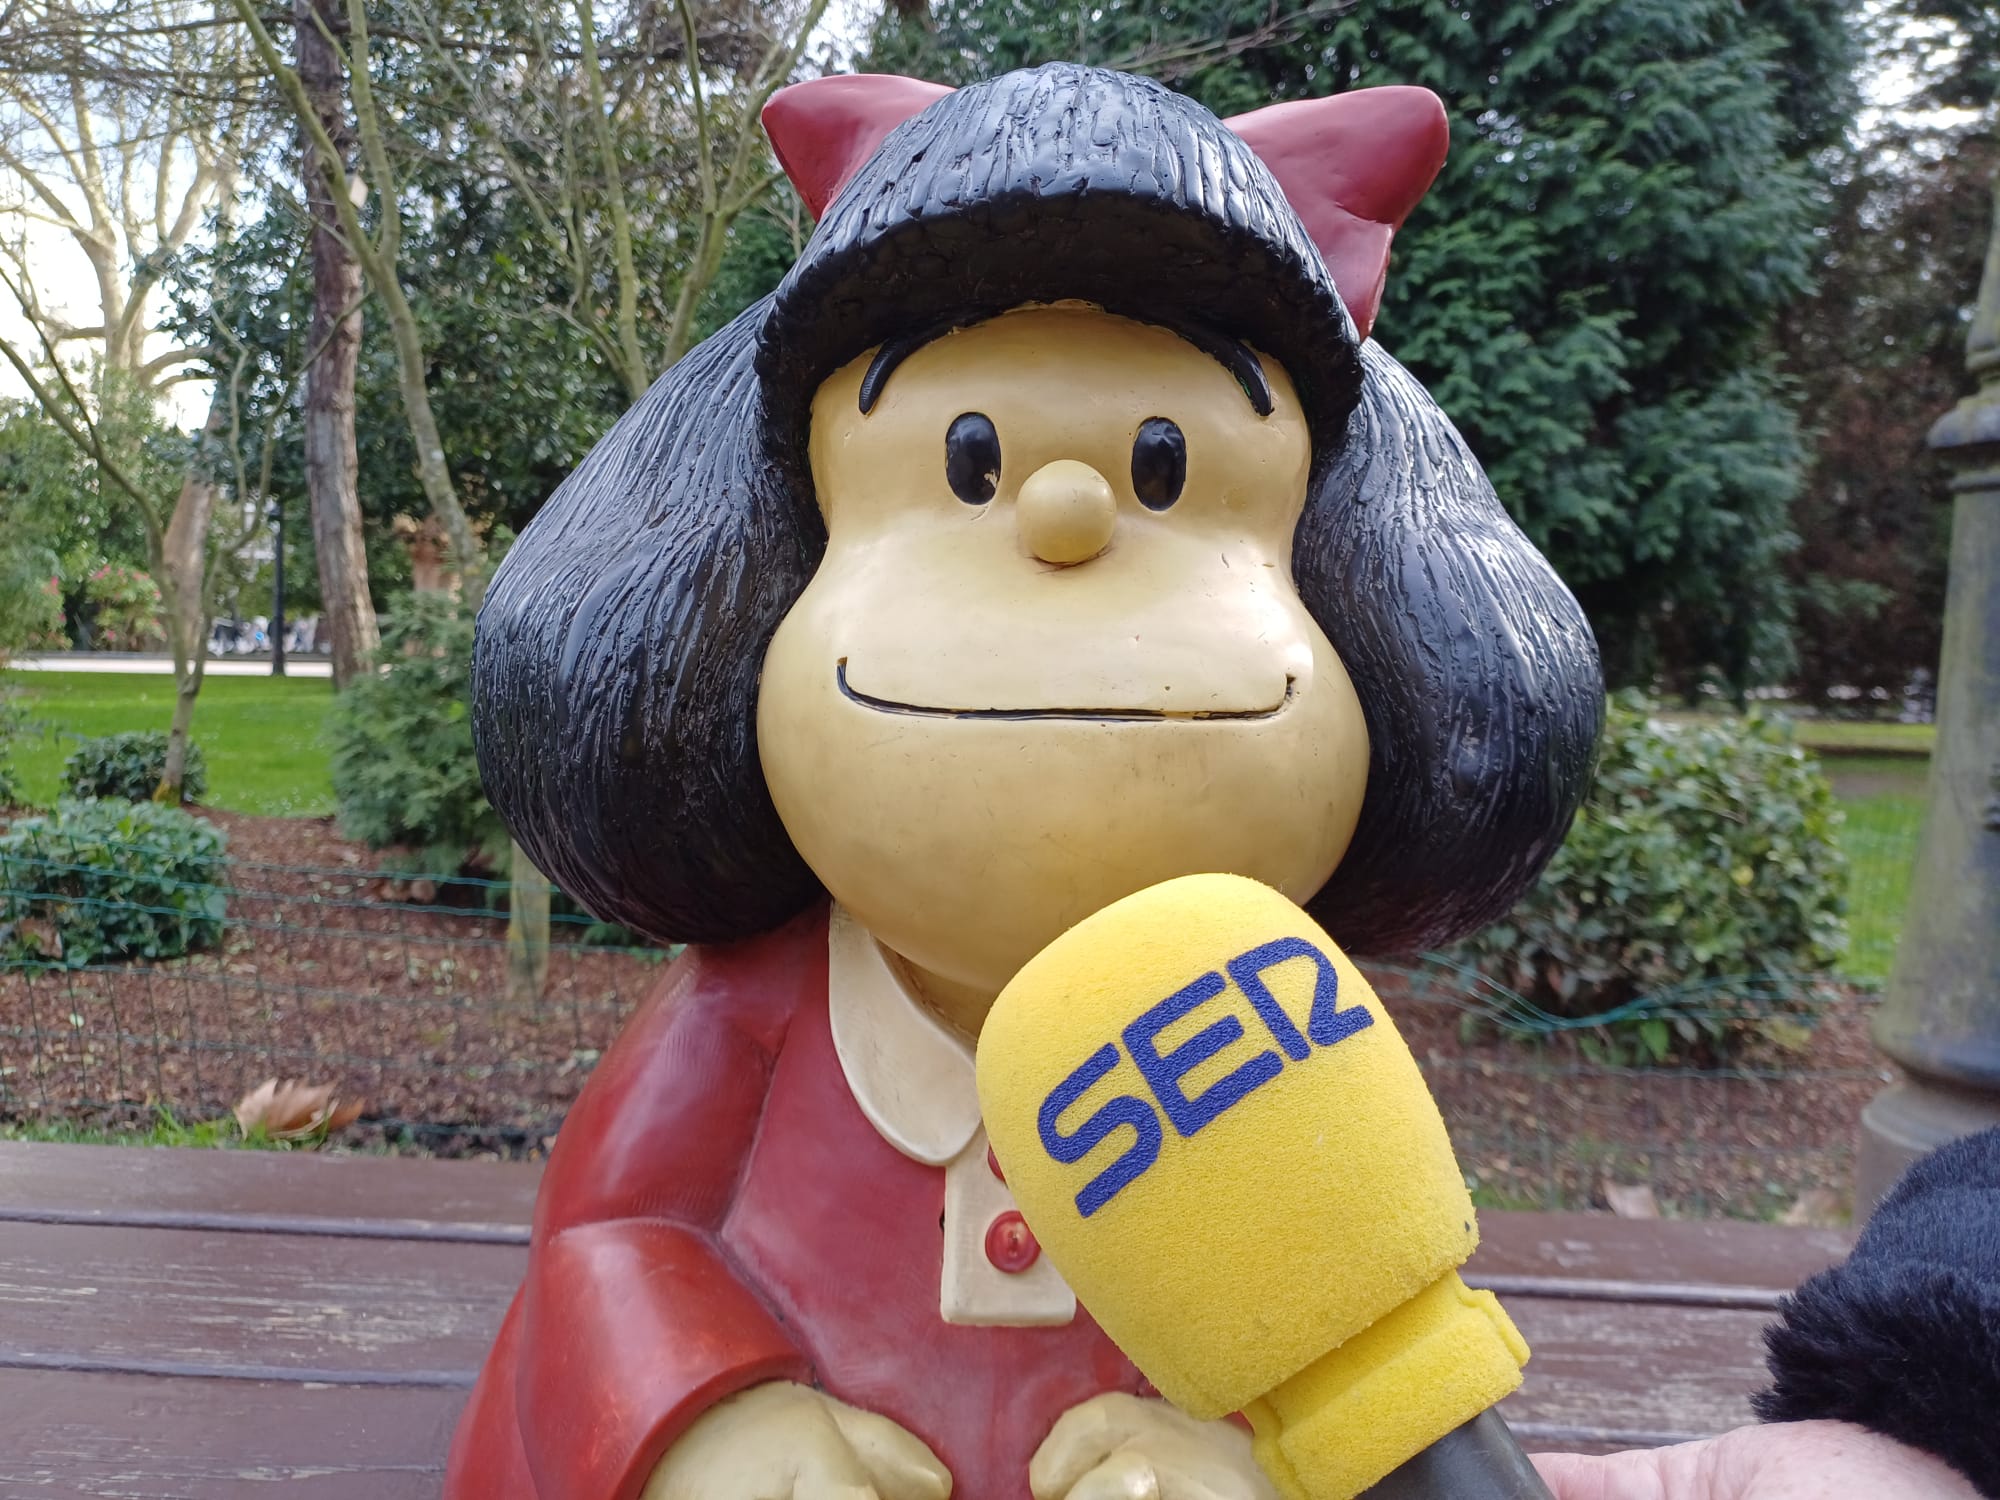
[[433, 473], [183, 565], [348, 614], [527, 930]]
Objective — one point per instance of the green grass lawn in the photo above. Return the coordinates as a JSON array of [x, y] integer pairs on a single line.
[[262, 736], [1840, 737], [1860, 737], [1883, 797], [166, 1130]]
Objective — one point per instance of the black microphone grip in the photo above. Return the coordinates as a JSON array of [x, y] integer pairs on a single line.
[[1478, 1461]]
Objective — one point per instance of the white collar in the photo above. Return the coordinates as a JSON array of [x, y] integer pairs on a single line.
[[912, 1076]]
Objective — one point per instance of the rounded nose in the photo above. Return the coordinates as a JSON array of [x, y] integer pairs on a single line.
[[1066, 512]]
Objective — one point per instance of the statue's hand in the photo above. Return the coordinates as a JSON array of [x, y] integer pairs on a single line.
[[1118, 1447], [782, 1441]]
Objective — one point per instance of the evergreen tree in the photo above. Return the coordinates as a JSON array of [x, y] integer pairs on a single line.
[[1878, 353], [1632, 199]]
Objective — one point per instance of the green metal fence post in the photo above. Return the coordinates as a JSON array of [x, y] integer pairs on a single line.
[[1940, 1018]]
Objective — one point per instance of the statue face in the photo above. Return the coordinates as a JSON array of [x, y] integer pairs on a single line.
[[1054, 653]]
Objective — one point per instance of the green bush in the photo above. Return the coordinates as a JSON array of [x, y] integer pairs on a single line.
[[402, 764], [1700, 890], [13, 723], [129, 766], [126, 609], [105, 879], [31, 610]]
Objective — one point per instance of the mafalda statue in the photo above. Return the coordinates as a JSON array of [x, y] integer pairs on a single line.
[[1051, 531]]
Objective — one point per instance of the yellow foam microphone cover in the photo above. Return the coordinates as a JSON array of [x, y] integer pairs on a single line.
[[1215, 1132]]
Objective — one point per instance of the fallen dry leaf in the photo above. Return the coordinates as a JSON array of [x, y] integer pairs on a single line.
[[294, 1110], [1816, 1208], [1634, 1201], [44, 936]]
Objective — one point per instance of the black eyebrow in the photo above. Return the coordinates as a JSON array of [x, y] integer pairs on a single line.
[[894, 351], [1232, 354]]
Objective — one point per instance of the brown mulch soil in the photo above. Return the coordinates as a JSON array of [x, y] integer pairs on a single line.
[[1540, 1124], [395, 991]]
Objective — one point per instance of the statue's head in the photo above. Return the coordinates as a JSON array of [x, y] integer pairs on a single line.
[[1048, 533]]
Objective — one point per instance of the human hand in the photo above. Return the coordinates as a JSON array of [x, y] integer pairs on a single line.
[[1119, 1447], [782, 1441], [1784, 1461]]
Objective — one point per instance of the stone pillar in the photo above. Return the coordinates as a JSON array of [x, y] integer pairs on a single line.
[[1940, 1018]]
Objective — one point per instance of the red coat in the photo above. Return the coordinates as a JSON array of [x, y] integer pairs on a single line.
[[718, 1212]]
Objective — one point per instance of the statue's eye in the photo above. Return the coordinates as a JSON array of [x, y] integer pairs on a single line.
[[972, 458], [1159, 463]]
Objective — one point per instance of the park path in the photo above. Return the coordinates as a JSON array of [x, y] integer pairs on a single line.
[[120, 661]]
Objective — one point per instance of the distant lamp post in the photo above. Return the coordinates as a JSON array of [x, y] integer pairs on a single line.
[[1941, 1015], [278, 591]]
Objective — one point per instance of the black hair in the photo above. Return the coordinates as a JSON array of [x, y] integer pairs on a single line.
[[1475, 667], [1052, 183], [620, 642], [618, 650], [1232, 354]]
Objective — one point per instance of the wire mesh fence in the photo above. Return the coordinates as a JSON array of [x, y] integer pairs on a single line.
[[394, 989]]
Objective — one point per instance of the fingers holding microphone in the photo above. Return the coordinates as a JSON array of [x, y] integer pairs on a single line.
[[1782, 1461]]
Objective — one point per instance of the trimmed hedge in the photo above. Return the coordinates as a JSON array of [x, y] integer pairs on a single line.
[[1701, 873], [103, 880], [404, 773], [129, 766]]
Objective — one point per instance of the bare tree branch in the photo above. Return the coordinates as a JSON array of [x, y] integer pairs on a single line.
[[723, 201], [131, 224], [152, 371], [378, 262], [632, 363]]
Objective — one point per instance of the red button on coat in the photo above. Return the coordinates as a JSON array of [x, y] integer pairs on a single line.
[[1010, 1244]]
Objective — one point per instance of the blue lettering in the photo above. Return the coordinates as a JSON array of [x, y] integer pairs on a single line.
[[1074, 1147], [1164, 1073], [1326, 1024]]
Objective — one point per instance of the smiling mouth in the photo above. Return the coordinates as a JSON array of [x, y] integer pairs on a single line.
[[1107, 715]]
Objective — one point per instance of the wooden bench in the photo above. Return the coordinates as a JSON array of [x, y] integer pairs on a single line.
[[200, 1325]]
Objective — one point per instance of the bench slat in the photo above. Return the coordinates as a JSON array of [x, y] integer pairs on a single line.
[[247, 1306], [201, 1323], [261, 1307], [105, 1435], [86, 1183], [392, 1197], [108, 1433], [1666, 1252], [1633, 1376]]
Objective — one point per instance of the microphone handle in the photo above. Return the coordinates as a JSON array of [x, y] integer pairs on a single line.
[[1478, 1461]]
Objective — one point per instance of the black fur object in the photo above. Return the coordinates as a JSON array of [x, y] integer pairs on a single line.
[[1904, 1339]]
